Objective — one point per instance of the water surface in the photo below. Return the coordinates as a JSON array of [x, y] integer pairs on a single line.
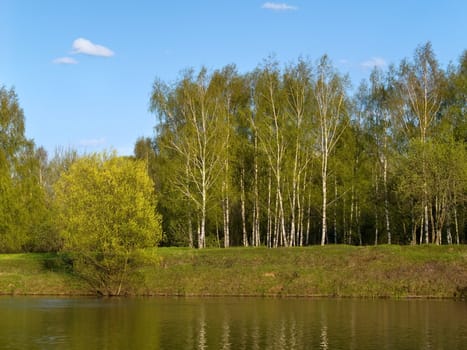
[[230, 323]]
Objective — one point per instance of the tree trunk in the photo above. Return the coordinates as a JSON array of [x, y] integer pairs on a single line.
[[226, 204], [276, 222], [227, 221], [282, 219], [295, 189], [308, 220], [376, 209], [421, 229], [376, 224], [433, 223], [357, 218], [198, 231], [256, 209], [448, 230], [226, 210], [344, 221], [352, 214], [324, 174], [335, 209], [217, 234], [242, 200], [386, 198], [269, 223], [456, 224], [190, 227], [300, 205], [190, 232], [414, 225], [202, 232]]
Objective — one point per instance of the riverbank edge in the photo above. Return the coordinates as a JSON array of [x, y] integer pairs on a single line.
[[399, 272]]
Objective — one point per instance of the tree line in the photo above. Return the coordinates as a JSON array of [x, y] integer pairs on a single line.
[[98, 210], [279, 156], [288, 156]]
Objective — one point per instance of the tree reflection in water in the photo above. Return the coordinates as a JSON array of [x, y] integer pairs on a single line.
[[231, 323]]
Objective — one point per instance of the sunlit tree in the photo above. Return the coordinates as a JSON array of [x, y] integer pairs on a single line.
[[106, 212]]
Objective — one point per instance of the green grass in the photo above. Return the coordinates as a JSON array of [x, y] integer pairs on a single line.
[[37, 274], [341, 271], [383, 271]]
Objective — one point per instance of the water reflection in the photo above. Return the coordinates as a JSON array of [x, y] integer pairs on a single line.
[[225, 333], [202, 329], [324, 338], [229, 323]]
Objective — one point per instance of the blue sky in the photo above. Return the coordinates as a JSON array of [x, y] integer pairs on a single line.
[[83, 70]]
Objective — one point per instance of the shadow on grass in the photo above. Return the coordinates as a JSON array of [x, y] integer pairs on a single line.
[[58, 262]]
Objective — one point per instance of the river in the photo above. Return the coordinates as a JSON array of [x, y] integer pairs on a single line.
[[230, 323]]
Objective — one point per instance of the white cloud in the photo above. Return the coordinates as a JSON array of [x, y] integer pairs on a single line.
[[87, 47], [92, 142], [275, 6], [65, 60], [374, 62]]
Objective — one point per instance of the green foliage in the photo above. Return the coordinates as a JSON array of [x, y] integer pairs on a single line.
[[282, 155], [294, 158], [441, 166], [24, 211], [106, 210], [195, 134]]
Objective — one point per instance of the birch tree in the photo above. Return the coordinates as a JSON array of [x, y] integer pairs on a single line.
[[231, 92], [253, 124], [329, 96], [297, 87], [191, 111], [270, 125], [421, 83], [382, 108]]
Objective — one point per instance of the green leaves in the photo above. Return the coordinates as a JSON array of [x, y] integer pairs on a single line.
[[106, 213], [24, 216], [283, 132]]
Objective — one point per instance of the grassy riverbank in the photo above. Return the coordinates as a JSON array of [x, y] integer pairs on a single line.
[[37, 274], [383, 271]]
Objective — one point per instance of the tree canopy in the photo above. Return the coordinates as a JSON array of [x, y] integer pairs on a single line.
[[24, 220], [288, 156], [106, 210], [282, 155]]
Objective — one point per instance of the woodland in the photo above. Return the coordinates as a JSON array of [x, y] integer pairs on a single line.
[[284, 155]]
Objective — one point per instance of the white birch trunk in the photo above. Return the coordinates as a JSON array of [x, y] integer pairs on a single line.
[[425, 221], [352, 209], [276, 222], [226, 209], [456, 224], [324, 174], [335, 209], [376, 208], [242, 200], [308, 220], [256, 221], [386, 198], [202, 232], [295, 180], [282, 220], [269, 229]]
